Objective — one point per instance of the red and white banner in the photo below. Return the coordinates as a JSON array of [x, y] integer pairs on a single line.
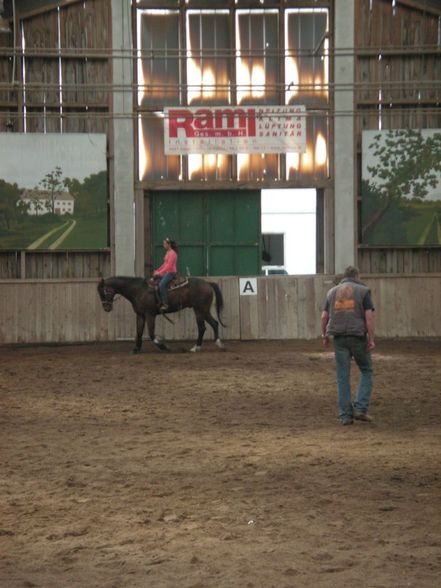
[[235, 129]]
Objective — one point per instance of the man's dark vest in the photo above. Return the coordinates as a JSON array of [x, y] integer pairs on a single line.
[[346, 310]]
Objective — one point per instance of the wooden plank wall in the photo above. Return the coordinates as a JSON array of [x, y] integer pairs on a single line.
[[85, 30], [397, 52], [67, 264], [399, 260], [8, 101], [285, 307], [74, 40], [81, 45], [44, 265]]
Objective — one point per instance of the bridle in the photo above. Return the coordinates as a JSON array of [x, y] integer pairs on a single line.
[[108, 298]]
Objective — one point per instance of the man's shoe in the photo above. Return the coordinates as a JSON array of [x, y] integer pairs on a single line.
[[163, 307], [361, 416], [347, 422]]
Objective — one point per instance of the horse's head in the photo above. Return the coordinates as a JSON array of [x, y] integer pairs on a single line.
[[107, 295]]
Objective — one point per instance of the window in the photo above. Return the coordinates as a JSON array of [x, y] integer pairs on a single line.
[[273, 249], [248, 53]]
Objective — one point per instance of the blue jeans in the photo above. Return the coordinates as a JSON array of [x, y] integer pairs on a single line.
[[347, 347], [165, 280]]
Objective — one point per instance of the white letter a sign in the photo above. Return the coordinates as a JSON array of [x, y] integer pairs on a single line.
[[248, 286]]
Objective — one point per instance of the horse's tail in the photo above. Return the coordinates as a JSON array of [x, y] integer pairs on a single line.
[[219, 301]]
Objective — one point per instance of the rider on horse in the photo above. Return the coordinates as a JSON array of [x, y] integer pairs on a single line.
[[167, 272]]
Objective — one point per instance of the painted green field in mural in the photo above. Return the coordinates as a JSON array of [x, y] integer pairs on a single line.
[[89, 233], [57, 233], [407, 224], [22, 235]]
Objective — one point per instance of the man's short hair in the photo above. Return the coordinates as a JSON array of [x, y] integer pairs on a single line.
[[351, 272]]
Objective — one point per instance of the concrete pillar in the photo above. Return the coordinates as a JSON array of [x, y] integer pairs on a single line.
[[344, 157], [328, 231], [140, 268], [123, 141]]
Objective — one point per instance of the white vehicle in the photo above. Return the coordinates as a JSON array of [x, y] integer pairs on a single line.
[[273, 270]]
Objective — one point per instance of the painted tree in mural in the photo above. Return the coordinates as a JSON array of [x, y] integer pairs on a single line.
[[90, 195], [9, 197], [407, 163], [53, 183], [406, 168], [96, 186]]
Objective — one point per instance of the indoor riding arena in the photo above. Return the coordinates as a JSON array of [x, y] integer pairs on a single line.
[[217, 469], [200, 446]]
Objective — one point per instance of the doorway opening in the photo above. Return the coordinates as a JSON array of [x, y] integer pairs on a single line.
[[289, 231]]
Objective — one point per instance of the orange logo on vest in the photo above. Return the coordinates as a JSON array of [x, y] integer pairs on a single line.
[[344, 305], [344, 299]]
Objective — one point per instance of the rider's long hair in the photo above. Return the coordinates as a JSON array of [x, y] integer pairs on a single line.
[[173, 244]]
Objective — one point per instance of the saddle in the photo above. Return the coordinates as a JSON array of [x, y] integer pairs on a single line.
[[178, 282]]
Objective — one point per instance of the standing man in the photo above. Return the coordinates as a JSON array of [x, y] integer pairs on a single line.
[[348, 317]]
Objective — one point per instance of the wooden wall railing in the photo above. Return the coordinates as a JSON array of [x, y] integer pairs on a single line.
[[285, 307]]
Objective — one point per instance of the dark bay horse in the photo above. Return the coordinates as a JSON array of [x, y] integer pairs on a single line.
[[197, 294]]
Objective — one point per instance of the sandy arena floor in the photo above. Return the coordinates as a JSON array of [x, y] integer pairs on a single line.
[[219, 469]]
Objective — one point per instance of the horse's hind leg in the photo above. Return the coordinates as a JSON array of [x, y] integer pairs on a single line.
[[215, 326], [201, 330]]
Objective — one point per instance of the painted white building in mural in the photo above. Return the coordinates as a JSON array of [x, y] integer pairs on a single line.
[[40, 202]]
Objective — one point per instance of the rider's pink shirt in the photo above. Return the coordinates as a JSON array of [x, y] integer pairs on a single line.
[[170, 263]]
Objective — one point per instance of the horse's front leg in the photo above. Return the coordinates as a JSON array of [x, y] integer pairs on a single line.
[[151, 327], [140, 322]]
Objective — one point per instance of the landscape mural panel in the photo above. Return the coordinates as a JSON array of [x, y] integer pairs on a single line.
[[53, 191], [401, 187]]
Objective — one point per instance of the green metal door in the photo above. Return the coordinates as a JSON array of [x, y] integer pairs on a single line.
[[218, 233], [234, 233]]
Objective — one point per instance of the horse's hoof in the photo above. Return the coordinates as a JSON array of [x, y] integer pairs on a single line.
[[161, 346], [195, 348], [220, 344], [135, 351]]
